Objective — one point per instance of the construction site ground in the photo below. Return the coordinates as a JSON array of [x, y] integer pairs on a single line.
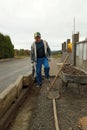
[[36, 111]]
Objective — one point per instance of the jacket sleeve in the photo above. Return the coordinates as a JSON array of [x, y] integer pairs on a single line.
[[48, 50], [32, 53]]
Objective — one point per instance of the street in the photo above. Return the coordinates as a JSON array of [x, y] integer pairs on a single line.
[[11, 70]]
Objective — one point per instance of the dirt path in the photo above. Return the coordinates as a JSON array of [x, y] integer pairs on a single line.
[[36, 113], [43, 117], [24, 114], [71, 107]]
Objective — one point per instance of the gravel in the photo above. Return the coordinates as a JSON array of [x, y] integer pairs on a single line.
[[43, 116], [70, 108]]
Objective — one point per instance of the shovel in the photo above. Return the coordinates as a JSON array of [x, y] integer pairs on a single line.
[[33, 70]]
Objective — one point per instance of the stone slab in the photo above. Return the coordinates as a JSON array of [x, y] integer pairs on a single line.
[[7, 97]]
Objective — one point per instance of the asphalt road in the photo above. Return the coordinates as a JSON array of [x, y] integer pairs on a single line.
[[11, 70]]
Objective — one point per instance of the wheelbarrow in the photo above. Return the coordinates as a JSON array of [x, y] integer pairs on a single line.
[[71, 78]]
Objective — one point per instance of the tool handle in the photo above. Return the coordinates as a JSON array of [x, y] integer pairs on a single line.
[[55, 115], [51, 86]]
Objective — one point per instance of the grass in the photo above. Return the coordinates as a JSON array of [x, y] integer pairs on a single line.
[[21, 57], [57, 55]]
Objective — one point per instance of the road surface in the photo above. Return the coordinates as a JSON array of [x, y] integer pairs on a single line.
[[11, 70]]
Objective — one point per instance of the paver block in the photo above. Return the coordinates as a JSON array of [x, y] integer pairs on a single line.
[[19, 85], [7, 97]]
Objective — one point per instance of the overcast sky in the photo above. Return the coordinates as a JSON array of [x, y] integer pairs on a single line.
[[52, 18]]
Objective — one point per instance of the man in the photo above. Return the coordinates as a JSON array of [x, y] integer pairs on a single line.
[[40, 53]]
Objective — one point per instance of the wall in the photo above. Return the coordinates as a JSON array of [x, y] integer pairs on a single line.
[[81, 55]]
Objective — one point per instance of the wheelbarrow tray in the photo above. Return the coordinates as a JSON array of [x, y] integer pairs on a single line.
[[80, 79]]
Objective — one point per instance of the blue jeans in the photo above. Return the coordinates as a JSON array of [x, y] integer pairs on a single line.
[[40, 62]]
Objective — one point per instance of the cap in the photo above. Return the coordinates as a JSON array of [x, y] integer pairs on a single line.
[[37, 34]]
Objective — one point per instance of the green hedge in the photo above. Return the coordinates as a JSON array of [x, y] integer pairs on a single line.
[[6, 47]]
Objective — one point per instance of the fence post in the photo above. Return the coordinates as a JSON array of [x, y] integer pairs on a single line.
[[68, 41], [75, 38], [64, 47]]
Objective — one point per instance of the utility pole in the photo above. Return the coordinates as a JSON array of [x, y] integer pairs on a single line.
[[74, 26]]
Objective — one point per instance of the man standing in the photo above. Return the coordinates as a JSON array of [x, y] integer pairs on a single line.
[[40, 53]]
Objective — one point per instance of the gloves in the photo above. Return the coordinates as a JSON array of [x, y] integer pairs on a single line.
[[32, 61], [33, 64]]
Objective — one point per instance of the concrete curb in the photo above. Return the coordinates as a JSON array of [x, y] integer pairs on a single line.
[[6, 98], [11, 94], [19, 85], [11, 113], [8, 59]]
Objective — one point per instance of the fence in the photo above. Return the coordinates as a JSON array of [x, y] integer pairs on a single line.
[[81, 55]]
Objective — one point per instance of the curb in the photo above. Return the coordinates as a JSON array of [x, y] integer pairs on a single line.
[[11, 98], [8, 59]]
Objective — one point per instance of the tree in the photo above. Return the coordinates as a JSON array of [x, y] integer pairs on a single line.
[[6, 47]]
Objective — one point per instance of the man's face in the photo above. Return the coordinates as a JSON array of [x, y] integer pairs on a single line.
[[37, 39]]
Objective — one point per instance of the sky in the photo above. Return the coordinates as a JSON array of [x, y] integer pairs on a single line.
[[54, 19]]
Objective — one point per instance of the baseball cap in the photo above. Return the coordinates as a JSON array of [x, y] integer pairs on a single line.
[[37, 34]]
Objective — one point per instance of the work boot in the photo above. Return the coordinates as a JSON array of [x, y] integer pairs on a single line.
[[38, 86], [48, 80]]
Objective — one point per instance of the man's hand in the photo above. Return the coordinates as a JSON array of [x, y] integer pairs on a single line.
[[32, 62]]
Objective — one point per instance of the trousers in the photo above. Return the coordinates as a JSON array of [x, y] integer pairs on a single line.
[[45, 63]]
